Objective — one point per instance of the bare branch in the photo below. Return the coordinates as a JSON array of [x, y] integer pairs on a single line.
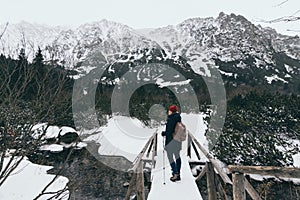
[[280, 4], [15, 79], [56, 176], [10, 169], [1, 35], [290, 18], [282, 19]]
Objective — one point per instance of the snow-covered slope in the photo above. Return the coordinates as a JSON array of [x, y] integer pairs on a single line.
[[121, 138], [72, 45], [28, 180], [227, 38]]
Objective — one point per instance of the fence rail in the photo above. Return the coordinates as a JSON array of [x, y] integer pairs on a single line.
[[138, 168], [212, 169]]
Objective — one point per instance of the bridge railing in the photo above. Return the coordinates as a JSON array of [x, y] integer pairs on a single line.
[[209, 170], [138, 168], [239, 183]]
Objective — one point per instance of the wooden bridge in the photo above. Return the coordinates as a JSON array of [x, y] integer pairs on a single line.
[[162, 188]]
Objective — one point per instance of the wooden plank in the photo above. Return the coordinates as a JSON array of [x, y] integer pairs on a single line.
[[155, 145], [221, 190], [140, 191], [197, 162], [150, 147], [196, 151], [202, 173], [223, 175], [210, 176], [154, 152], [238, 181], [251, 191], [189, 146], [128, 193], [147, 160], [286, 172], [138, 159]]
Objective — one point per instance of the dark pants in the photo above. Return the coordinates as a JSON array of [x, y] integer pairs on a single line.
[[173, 149]]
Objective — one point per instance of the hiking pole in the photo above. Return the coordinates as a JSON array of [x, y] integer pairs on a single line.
[[164, 168]]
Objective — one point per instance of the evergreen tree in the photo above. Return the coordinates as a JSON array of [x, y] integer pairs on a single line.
[[38, 59], [259, 130], [22, 57], [19, 71]]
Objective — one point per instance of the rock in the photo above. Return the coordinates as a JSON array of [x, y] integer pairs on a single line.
[[126, 184]]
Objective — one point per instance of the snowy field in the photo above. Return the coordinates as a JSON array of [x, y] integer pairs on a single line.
[[28, 180]]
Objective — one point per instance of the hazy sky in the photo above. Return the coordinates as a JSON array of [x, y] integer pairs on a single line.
[[143, 14]]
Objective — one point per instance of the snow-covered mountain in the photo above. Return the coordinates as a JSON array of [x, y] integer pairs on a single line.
[[28, 36], [230, 42], [72, 45]]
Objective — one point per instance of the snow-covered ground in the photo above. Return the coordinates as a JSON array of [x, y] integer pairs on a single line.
[[296, 157], [54, 132], [275, 77], [51, 131], [28, 180], [121, 136], [124, 136]]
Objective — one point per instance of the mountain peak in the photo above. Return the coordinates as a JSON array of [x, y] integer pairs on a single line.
[[227, 36], [104, 24]]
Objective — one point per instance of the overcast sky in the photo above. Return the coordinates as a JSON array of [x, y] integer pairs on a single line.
[[146, 13]]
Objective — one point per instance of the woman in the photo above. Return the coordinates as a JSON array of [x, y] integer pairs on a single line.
[[173, 147]]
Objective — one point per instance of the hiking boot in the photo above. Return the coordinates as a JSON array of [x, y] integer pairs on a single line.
[[175, 177], [178, 177]]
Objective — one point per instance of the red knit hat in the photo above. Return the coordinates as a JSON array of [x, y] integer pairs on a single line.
[[173, 108]]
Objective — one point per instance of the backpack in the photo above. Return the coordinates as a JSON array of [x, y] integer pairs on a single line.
[[180, 132]]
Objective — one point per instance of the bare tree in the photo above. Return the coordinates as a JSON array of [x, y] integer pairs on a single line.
[[29, 95]]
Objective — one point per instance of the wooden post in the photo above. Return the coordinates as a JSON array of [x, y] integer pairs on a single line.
[[155, 146], [210, 175], [154, 152], [223, 175], [140, 182], [189, 146], [127, 197], [238, 181]]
